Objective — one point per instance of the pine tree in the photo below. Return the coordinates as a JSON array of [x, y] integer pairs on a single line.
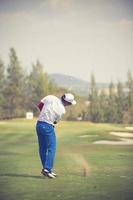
[[130, 89], [120, 101], [93, 88], [112, 106], [37, 85], [14, 86], [103, 101], [94, 108], [2, 86], [130, 96]]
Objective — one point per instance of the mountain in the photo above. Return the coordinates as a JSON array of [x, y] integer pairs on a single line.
[[71, 83], [74, 84]]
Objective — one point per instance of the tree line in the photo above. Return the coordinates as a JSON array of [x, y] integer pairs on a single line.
[[20, 91], [116, 106]]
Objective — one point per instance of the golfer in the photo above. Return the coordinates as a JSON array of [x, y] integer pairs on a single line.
[[51, 110]]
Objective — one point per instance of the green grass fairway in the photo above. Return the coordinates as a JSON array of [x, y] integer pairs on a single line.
[[110, 166]]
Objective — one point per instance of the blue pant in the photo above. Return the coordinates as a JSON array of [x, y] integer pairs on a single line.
[[47, 144]]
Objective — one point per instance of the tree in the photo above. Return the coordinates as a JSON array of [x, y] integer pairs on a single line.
[[112, 106], [94, 108], [2, 86], [120, 101], [14, 86], [130, 89], [93, 88], [37, 85], [103, 101], [130, 96]]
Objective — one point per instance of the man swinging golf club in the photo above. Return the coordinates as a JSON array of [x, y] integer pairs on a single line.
[[51, 110]]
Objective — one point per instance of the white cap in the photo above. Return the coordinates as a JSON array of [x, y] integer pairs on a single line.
[[69, 98]]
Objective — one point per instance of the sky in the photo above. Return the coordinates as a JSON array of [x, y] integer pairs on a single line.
[[71, 37]]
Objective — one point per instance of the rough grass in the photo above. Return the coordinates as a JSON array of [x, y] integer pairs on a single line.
[[110, 167]]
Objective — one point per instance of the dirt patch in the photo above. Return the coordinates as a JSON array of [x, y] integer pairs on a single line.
[[129, 128], [122, 134], [85, 136], [122, 141]]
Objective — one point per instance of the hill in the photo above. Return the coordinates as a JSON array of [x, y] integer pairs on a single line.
[[74, 84]]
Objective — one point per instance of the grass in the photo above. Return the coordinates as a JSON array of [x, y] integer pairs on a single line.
[[110, 167]]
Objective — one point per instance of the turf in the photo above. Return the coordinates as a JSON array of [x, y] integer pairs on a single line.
[[110, 167]]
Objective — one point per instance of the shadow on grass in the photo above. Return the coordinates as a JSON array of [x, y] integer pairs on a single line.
[[22, 176], [37, 177], [9, 154]]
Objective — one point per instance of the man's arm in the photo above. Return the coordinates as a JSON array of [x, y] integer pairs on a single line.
[[57, 118], [40, 105]]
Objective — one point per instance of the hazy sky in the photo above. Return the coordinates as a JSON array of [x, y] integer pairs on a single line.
[[73, 37]]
